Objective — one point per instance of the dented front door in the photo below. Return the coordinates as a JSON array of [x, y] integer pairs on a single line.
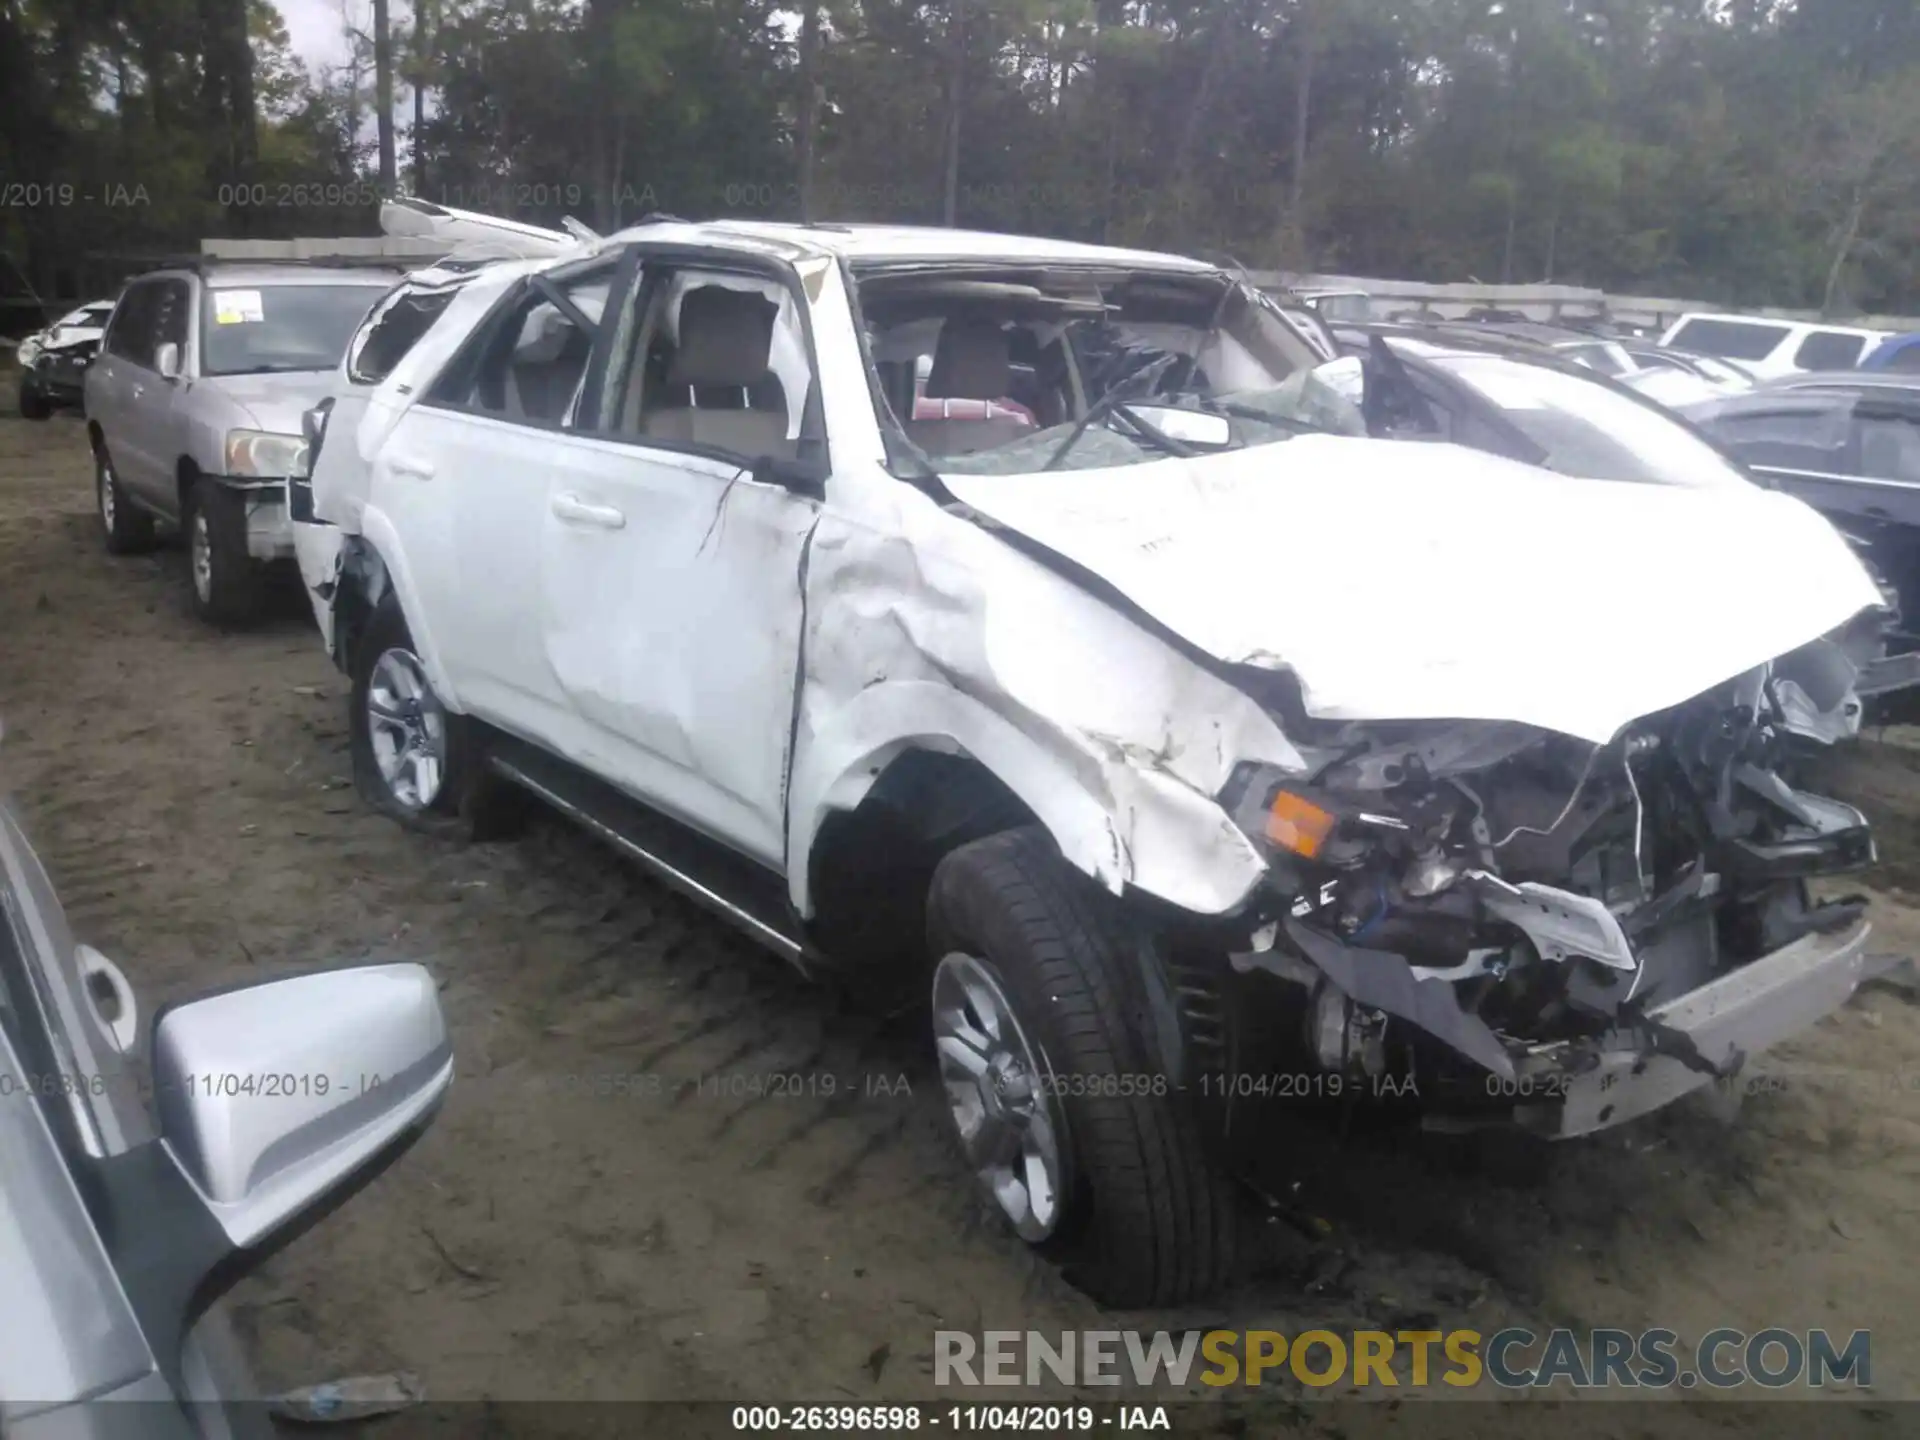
[[670, 603]]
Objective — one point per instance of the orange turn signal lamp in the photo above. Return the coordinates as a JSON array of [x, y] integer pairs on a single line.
[[1297, 824]]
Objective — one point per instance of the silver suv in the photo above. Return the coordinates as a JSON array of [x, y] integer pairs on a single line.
[[193, 411], [121, 1226]]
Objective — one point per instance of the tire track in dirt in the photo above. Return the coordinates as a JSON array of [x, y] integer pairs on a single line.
[[187, 790]]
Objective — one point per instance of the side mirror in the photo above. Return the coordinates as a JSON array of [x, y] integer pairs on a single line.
[[313, 429], [802, 476], [274, 1097], [166, 361], [276, 1102]]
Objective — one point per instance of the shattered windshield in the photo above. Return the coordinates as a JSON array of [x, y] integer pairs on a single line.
[[1010, 373]]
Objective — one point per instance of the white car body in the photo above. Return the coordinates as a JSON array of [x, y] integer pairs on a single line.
[[1122, 775], [89, 322], [750, 646], [472, 239], [1769, 348]]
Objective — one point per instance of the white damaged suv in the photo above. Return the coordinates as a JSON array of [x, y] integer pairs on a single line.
[[1145, 705]]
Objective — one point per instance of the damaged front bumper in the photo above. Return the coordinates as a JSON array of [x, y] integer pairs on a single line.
[[1578, 1087], [269, 531]]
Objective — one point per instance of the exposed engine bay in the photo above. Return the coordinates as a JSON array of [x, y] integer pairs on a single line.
[[1494, 907]]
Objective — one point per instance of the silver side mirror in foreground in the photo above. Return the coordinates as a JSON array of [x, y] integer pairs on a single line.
[[273, 1096], [166, 361]]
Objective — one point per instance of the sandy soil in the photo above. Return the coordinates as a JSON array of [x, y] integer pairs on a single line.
[[188, 791]]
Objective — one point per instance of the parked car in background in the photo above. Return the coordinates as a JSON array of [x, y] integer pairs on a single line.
[[1528, 405], [1897, 353], [1338, 306], [1063, 732], [1676, 378], [1849, 445], [194, 405], [1522, 338], [1771, 347], [85, 323], [1852, 382], [53, 361], [1596, 352], [121, 1226], [56, 380]]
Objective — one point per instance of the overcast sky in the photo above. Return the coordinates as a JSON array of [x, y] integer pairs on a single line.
[[314, 27]]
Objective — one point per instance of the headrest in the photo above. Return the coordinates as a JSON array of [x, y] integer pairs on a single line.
[[971, 362], [725, 337], [544, 338]]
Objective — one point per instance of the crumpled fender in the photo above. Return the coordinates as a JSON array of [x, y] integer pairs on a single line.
[[926, 630], [378, 553]]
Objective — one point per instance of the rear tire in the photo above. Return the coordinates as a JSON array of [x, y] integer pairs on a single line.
[[1145, 1215], [128, 531], [396, 723], [225, 584]]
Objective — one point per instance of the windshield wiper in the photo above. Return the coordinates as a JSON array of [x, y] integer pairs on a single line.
[[1113, 399]]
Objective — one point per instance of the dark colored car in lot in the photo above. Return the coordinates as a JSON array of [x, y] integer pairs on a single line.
[[1846, 442]]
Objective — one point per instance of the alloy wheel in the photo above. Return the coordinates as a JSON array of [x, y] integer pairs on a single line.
[[200, 542], [408, 728], [1002, 1094]]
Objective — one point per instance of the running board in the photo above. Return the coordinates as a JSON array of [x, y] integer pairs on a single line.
[[745, 894]]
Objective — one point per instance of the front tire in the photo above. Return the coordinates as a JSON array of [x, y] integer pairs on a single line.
[[414, 760], [33, 405], [1038, 1020], [225, 583], [127, 531]]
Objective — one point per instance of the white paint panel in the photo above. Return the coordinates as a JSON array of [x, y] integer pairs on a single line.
[[1404, 581]]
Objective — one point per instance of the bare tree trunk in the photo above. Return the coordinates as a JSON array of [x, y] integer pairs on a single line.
[[226, 103], [1220, 44], [383, 95], [243, 124], [1849, 232], [120, 80], [422, 73], [1506, 252], [1112, 167], [1302, 116], [956, 71], [213, 82], [606, 119], [809, 103], [619, 176]]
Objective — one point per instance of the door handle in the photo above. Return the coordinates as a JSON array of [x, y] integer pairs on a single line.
[[110, 997], [411, 467], [575, 511]]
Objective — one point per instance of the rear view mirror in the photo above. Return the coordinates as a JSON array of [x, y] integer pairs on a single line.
[[1190, 427], [166, 361], [274, 1097]]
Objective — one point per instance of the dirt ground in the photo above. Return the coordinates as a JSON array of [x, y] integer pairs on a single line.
[[188, 791]]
